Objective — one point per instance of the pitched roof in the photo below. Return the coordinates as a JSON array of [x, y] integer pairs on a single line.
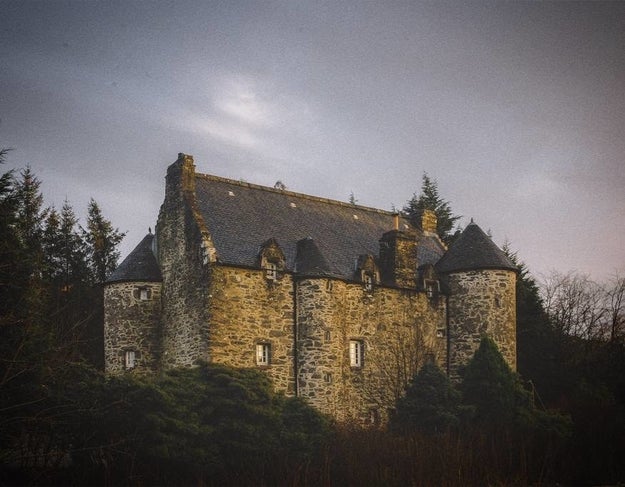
[[139, 265], [473, 250], [241, 216]]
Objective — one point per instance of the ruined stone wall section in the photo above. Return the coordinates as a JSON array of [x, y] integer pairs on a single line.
[[481, 303], [131, 324], [388, 321], [246, 310], [185, 275]]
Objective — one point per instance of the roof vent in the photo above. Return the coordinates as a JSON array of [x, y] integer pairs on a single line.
[[230, 193], [292, 205], [355, 217]]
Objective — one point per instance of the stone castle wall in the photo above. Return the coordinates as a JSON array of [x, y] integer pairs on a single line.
[[397, 327], [246, 309], [481, 303], [131, 324], [185, 276]]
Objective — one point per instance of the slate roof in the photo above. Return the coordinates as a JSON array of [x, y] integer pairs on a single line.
[[139, 265], [241, 216], [474, 250]]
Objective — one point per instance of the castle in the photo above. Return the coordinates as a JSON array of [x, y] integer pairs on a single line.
[[338, 303]]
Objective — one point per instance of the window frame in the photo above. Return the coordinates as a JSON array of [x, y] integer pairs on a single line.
[[263, 354], [271, 270], [130, 359], [356, 353]]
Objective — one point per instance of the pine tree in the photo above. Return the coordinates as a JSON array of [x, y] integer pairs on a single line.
[[102, 241], [429, 199], [430, 404]]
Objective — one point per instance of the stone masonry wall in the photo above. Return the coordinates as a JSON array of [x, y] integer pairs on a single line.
[[398, 328], [185, 275], [247, 309], [131, 324], [481, 303]]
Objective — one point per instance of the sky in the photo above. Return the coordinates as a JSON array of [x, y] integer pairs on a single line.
[[516, 109]]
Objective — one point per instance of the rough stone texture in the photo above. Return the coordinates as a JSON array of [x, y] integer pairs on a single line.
[[247, 309], [181, 255], [481, 303], [391, 323], [219, 311], [398, 258], [131, 324]]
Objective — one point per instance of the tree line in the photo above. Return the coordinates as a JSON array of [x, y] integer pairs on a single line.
[[560, 419]]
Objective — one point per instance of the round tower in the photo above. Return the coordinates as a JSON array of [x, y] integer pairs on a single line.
[[132, 306], [481, 282]]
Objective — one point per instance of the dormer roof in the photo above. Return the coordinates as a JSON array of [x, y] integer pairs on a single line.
[[139, 265], [474, 250]]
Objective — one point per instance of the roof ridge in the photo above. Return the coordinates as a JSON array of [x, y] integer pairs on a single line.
[[245, 184]]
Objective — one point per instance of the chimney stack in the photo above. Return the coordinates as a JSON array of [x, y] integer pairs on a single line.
[[428, 221]]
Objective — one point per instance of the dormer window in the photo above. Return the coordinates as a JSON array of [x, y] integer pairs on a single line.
[[368, 272], [143, 294], [271, 271], [272, 260], [367, 280], [432, 288]]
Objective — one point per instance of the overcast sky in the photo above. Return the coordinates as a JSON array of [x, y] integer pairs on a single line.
[[516, 109]]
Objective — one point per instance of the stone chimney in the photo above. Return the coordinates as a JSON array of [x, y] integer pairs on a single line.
[[398, 257], [428, 221], [181, 175]]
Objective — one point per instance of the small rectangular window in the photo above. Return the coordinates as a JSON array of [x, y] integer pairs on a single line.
[[368, 281], [271, 271], [327, 377], [143, 294], [432, 288], [129, 359], [262, 353], [356, 352]]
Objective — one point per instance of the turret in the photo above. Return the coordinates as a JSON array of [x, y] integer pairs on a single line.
[[132, 305], [481, 282]]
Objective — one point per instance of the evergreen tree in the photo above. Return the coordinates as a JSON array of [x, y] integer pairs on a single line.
[[102, 241], [489, 386], [429, 199], [430, 404]]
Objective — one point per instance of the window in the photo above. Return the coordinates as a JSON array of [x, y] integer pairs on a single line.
[[440, 333], [327, 377], [262, 353], [271, 271], [432, 288], [356, 349], [143, 294], [367, 279], [129, 359], [327, 336]]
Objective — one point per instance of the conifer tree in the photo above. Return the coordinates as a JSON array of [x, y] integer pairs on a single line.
[[101, 240], [429, 199], [430, 404]]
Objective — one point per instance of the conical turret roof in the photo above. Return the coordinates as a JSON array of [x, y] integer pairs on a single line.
[[309, 259], [140, 265], [473, 250]]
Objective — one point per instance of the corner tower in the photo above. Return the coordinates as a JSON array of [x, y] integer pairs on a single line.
[[481, 281], [132, 306]]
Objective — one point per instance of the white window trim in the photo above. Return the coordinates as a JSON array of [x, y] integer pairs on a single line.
[[271, 271], [263, 354], [356, 353], [130, 357]]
